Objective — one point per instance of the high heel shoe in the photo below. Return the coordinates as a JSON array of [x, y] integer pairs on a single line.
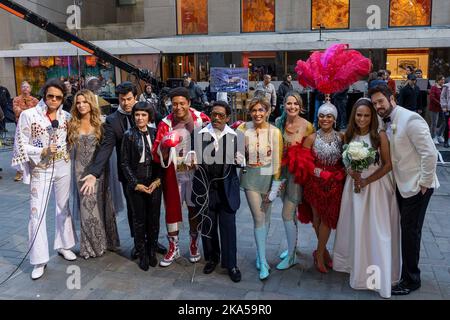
[[320, 268], [328, 260]]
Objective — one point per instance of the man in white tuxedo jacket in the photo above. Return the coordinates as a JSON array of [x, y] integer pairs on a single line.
[[414, 158]]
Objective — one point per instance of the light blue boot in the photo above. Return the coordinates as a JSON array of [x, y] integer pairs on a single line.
[[258, 263], [291, 233], [260, 237]]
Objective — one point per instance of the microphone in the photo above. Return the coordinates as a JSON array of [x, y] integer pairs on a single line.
[[55, 125]]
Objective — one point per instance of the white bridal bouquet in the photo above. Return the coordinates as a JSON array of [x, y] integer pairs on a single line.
[[358, 156]]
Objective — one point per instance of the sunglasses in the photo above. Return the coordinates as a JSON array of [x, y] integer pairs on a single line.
[[52, 96], [219, 115]]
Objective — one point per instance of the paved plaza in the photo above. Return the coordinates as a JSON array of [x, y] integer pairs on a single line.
[[115, 276]]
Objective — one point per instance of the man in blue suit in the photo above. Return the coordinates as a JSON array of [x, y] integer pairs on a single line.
[[216, 192]]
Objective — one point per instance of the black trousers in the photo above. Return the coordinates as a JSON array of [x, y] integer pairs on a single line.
[[146, 210], [126, 192], [412, 215], [220, 216]]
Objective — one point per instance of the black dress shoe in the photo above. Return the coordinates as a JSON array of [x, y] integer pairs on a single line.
[[235, 274], [209, 267], [161, 249], [404, 288]]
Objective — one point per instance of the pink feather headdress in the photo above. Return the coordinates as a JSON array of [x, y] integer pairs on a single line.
[[333, 70]]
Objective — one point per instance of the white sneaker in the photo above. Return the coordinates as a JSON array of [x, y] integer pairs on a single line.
[[67, 254], [435, 140], [440, 139], [38, 271]]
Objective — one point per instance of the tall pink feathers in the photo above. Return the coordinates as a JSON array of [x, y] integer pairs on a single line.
[[333, 70]]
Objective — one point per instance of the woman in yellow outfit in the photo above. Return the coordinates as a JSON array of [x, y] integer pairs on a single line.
[[261, 177]]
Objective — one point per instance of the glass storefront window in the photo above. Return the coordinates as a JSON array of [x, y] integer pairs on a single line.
[[291, 61], [174, 66], [192, 16], [258, 15], [37, 70], [399, 59], [409, 13], [331, 14], [203, 67], [439, 62], [205, 61], [378, 58], [261, 63]]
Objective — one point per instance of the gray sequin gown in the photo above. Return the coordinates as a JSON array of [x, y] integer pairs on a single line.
[[98, 228]]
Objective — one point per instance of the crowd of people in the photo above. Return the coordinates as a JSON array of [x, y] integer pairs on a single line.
[[158, 147]]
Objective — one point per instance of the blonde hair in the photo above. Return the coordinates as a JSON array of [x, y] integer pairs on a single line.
[[259, 100], [75, 121]]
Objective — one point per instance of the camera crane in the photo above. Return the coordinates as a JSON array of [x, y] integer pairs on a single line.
[[42, 23]]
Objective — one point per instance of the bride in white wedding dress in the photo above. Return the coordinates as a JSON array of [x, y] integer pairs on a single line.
[[367, 243]]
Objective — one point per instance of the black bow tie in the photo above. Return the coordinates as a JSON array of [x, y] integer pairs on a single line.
[[387, 119]]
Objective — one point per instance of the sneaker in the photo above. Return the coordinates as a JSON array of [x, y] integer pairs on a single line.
[[38, 271], [193, 249], [172, 254], [440, 139], [435, 140], [67, 254]]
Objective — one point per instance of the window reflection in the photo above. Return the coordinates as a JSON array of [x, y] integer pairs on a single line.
[[331, 14], [258, 15], [410, 13], [37, 70], [192, 16]]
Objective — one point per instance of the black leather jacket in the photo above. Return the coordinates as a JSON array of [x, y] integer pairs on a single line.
[[133, 171]]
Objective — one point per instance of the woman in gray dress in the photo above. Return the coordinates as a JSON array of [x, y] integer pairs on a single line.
[[98, 228]]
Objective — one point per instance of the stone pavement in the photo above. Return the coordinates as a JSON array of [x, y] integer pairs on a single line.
[[114, 276]]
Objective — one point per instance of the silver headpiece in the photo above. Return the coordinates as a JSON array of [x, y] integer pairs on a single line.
[[328, 108], [364, 98]]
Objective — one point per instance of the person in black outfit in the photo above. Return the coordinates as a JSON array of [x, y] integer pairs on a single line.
[[142, 176], [115, 125], [409, 95], [5, 104], [340, 100], [216, 155], [423, 95], [199, 101]]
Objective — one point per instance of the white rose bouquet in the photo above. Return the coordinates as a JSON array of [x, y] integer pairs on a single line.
[[358, 156]]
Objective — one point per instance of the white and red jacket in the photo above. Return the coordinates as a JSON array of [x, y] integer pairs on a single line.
[[169, 178]]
